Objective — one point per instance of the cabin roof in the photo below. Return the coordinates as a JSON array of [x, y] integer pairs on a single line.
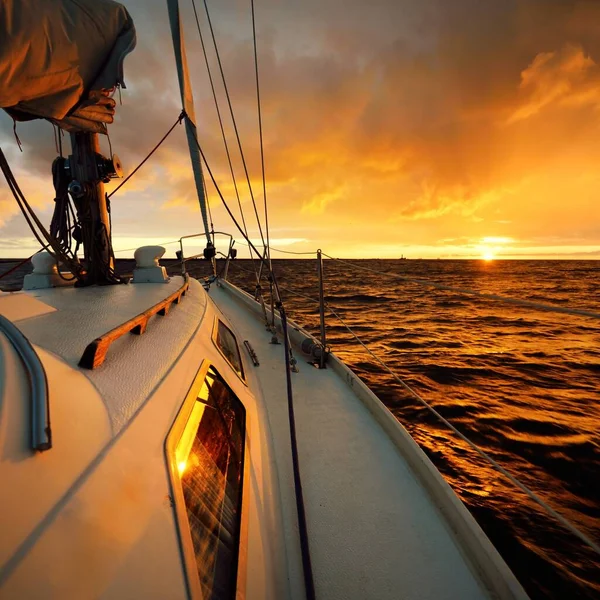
[[134, 364]]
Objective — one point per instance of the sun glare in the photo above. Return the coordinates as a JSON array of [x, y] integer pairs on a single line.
[[487, 254]]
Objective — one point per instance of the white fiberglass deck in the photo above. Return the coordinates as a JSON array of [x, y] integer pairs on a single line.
[[87, 313], [374, 530]]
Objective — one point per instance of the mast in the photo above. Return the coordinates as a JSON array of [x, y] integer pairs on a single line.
[[87, 189], [187, 101]]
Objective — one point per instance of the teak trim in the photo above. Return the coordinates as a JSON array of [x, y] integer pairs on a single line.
[[95, 353]]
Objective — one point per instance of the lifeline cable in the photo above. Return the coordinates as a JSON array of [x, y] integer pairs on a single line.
[[302, 526], [553, 513], [237, 135]]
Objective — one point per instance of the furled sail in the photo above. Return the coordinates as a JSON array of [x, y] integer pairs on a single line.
[[62, 59], [187, 101]]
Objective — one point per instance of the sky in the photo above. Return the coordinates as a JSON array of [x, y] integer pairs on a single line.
[[422, 128]]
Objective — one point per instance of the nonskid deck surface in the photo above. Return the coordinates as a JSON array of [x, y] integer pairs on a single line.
[[374, 531], [131, 371]]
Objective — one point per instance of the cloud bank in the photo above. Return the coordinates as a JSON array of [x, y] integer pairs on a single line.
[[399, 123]]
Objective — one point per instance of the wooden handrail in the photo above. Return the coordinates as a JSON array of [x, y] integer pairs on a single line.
[[95, 353]]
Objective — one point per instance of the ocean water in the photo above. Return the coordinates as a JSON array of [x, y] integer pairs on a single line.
[[522, 384]]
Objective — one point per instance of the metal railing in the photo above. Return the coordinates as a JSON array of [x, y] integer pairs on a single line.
[[325, 307], [41, 434]]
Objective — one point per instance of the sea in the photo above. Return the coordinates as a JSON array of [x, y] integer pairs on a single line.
[[521, 383]]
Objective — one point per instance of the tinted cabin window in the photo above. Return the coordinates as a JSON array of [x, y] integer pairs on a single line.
[[226, 342], [210, 457]]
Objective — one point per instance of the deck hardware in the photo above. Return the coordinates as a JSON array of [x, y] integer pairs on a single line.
[[41, 434], [252, 353], [209, 253], [231, 254], [317, 354], [95, 353], [323, 356]]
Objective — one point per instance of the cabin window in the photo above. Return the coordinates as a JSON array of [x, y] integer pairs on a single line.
[[209, 460], [227, 344]]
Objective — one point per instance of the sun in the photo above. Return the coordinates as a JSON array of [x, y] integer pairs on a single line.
[[487, 254]]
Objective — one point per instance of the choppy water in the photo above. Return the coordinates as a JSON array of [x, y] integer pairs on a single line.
[[520, 383]]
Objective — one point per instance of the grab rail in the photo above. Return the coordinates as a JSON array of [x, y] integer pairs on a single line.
[[41, 433], [95, 352]]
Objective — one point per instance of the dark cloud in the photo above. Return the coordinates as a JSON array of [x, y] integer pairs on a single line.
[[443, 118]]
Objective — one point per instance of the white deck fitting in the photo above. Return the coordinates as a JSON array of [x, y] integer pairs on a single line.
[[374, 530]]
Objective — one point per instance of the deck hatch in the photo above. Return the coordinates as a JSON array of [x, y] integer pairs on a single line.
[[206, 455]]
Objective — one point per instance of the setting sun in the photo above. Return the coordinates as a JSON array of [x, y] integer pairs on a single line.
[[488, 254]]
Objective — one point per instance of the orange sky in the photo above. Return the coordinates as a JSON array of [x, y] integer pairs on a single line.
[[424, 128]]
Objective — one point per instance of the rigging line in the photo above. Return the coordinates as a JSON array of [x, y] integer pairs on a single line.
[[212, 226], [237, 135], [260, 132], [302, 526], [528, 303], [178, 122], [287, 251], [23, 262], [221, 126], [229, 212], [589, 542], [212, 86], [567, 524], [293, 252], [136, 247]]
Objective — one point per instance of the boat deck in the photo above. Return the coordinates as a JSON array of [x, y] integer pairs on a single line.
[[374, 530], [71, 318]]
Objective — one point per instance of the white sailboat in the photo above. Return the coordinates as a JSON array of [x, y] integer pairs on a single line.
[[197, 458]]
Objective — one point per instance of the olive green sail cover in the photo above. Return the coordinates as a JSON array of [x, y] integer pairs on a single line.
[[62, 59]]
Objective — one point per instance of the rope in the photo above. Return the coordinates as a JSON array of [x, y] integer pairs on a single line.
[[178, 122], [224, 137], [31, 218], [467, 292], [292, 252], [567, 524], [60, 225], [303, 532], [237, 135], [309, 583], [136, 247], [20, 264], [287, 251], [260, 131], [212, 226]]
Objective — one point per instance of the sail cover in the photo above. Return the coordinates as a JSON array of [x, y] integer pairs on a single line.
[[62, 59]]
